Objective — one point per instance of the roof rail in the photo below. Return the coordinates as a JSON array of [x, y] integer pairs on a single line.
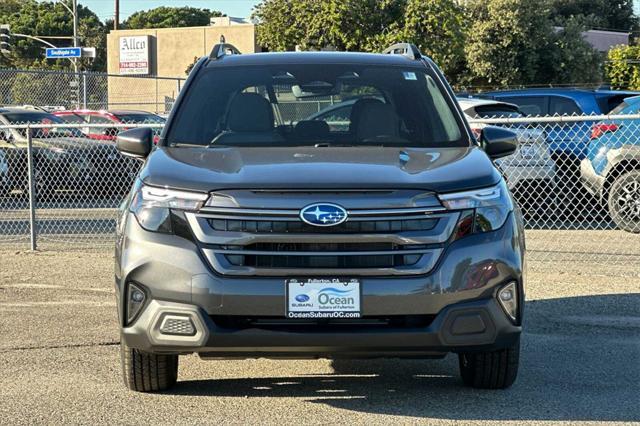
[[409, 50], [222, 49]]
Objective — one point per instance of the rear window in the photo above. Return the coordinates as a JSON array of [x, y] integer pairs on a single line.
[[140, 118], [42, 118], [300, 105], [563, 106], [72, 118], [497, 111], [608, 103], [529, 105]]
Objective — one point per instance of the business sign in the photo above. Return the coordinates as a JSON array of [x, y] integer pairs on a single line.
[[64, 52], [134, 55]]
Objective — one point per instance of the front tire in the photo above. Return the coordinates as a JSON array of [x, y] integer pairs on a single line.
[[490, 370], [624, 201], [146, 372]]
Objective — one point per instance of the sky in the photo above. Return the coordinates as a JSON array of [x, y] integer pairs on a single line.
[[104, 8]]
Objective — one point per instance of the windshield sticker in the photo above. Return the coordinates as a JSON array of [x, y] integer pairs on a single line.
[[409, 75]]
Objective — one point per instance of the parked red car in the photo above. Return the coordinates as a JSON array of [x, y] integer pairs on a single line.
[[108, 117]]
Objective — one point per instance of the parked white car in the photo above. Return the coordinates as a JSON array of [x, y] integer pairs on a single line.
[[530, 172]]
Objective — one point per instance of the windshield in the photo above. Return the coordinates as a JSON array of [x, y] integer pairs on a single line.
[[42, 118], [140, 118], [306, 105]]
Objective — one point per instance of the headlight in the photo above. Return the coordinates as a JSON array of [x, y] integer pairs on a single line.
[[152, 206], [491, 206]]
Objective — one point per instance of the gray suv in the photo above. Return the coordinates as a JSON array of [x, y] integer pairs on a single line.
[[256, 229]]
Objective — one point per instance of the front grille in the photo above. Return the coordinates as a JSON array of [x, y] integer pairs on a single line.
[[335, 262], [305, 255], [299, 227], [276, 242], [322, 325]]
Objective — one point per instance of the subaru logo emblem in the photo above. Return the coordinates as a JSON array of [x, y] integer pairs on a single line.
[[323, 214], [302, 298]]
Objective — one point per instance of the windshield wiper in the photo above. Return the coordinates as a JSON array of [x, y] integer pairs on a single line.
[[195, 145]]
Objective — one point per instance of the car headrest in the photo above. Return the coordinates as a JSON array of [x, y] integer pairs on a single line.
[[311, 129], [250, 112], [371, 118]]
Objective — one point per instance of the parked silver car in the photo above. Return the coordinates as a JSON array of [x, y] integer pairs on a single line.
[[530, 172]]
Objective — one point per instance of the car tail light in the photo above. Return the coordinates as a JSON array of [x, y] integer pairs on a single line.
[[600, 129]]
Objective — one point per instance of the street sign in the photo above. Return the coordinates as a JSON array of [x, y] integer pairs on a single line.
[[64, 52]]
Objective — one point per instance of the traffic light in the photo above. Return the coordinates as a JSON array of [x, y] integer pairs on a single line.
[[5, 38]]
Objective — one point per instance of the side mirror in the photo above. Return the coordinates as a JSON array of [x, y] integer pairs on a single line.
[[136, 142], [498, 142]]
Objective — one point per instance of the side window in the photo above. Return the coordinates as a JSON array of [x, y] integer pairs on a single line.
[[97, 119], [563, 106], [529, 105], [72, 118]]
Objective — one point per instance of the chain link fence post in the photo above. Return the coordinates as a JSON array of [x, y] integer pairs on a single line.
[[32, 195], [84, 90]]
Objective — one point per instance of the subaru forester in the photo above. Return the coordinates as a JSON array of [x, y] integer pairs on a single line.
[[258, 228]]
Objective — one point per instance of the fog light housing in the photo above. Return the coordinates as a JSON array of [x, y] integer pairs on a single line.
[[508, 298], [135, 301], [177, 325]]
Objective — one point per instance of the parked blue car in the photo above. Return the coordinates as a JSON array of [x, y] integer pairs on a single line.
[[567, 141], [611, 170]]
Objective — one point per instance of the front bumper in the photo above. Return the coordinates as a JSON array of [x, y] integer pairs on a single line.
[[475, 325], [458, 295], [593, 182]]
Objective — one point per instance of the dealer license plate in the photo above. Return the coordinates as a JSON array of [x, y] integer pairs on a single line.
[[323, 298]]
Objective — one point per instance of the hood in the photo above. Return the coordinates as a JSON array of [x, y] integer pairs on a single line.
[[207, 169]]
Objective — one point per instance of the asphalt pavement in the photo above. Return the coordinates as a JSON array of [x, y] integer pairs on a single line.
[[60, 363]]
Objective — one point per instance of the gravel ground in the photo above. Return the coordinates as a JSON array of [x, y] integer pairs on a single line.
[[60, 361]]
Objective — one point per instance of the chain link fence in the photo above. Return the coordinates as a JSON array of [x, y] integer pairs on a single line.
[[88, 90], [576, 180]]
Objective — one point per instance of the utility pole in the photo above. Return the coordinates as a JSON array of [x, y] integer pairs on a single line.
[[74, 5], [116, 18]]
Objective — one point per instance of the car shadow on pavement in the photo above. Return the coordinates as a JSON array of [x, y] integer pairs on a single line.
[[580, 362]]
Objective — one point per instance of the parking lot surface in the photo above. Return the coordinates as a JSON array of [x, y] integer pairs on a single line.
[[60, 361]]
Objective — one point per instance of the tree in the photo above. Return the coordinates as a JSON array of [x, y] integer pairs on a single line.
[[610, 14], [170, 17], [340, 24], [571, 58], [507, 40], [190, 67], [49, 19], [623, 67], [436, 26], [513, 42]]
